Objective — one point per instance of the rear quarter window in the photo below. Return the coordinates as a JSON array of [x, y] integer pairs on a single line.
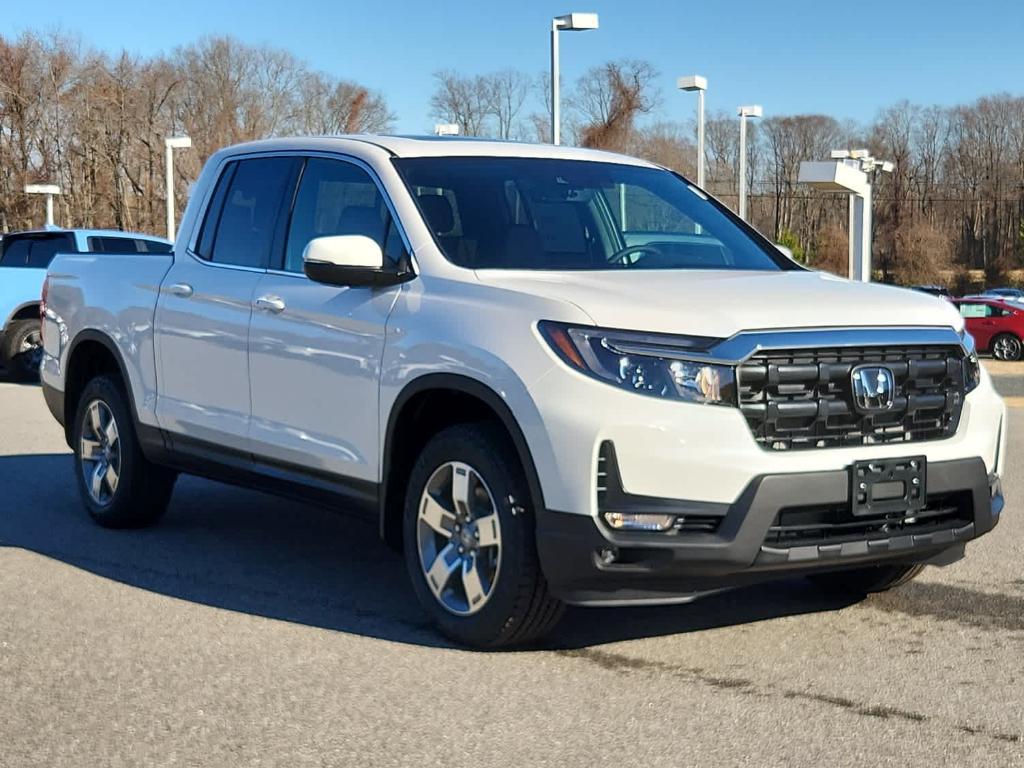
[[35, 251], [114, 244]]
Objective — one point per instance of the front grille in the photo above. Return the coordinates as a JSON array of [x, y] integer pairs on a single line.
[[836, 523], [798, 399]]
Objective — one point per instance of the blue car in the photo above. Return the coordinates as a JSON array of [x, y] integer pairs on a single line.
[[24, 258]]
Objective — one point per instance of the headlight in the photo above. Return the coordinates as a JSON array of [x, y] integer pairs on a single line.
[[972, 366], [650, 364], [972, 372]]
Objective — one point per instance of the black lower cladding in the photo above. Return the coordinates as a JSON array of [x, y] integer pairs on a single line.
[[781, 524]]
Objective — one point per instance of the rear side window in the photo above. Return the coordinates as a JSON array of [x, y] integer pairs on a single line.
[[113, 244], [35, 251], [247, 206]]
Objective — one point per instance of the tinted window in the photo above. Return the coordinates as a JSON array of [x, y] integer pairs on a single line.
[[338, 198], [15, 252], [35, 251], [112, 244], [251, 210], [204, 247], [532, 213]]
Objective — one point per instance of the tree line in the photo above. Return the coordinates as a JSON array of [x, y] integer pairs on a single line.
[[94, 123]]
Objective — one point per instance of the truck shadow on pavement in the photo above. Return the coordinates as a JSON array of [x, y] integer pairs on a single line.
[[245, 551]]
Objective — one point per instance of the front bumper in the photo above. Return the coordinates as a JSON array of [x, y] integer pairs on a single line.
[[587, 563]]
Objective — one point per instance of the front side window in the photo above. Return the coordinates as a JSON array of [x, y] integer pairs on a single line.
[[338, 198], [533, 213], [250, 208]]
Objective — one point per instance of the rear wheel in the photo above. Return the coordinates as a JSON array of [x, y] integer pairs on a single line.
[[118, 486], [23, 350], [1006, 346], [863, 581], [469, 541]]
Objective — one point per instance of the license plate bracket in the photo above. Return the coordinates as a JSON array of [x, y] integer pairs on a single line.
[[884, 486]]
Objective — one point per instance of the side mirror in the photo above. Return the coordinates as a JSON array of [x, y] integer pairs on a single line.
[[350, 260]]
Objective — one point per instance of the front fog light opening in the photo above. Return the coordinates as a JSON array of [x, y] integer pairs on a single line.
[[639, 521]]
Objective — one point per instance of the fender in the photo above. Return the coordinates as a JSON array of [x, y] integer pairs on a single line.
[[150, 438], [492, 399]]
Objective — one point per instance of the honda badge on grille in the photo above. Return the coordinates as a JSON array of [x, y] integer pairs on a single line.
[[874, 388]]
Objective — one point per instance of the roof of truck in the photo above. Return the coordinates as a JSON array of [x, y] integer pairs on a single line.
[[434, 146]]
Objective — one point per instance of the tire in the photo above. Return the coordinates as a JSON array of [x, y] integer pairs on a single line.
[[507, 602], [864, 581], [1006, 346], [23, 350], [137, 493]]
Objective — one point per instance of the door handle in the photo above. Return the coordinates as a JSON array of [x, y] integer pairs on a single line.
[[270, 304], [184, 290]]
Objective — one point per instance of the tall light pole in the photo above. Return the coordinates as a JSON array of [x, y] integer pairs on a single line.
[[700, 85], [754, 110], [851, 171], [44, 189], [172, 143], [570, 22]]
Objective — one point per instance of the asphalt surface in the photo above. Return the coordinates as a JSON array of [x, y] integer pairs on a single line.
[[249, 631]]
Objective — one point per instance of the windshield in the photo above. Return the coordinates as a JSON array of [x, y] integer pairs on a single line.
[[530, 213]]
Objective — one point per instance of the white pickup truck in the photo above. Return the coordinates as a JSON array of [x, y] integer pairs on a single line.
[[553, 376]]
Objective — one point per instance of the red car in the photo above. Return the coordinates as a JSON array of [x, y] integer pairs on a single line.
[[996, 325]]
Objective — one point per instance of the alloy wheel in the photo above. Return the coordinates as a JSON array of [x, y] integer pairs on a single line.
[[458, 535], [100, 452], [30, 351], [1007, 348]]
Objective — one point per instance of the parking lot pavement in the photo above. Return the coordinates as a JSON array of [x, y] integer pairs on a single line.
[[247, 630]]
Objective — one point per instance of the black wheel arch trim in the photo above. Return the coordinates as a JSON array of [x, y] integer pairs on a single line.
[[146, 434], [469, 386], [13, 317]]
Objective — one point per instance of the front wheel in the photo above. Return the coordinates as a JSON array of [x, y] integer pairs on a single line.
[[1006, 346], [23, 350], [469, 540], [864, 581], [118, 485]]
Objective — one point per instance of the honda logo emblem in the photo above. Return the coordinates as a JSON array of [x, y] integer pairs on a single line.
[[874, 388]]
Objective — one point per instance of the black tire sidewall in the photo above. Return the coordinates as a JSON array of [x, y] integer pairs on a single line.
[[16, 367], [121, 511], [481, 448]]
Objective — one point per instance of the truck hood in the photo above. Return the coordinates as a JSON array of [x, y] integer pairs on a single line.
[[722, 303]]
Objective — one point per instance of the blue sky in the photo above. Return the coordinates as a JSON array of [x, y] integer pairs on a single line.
[[792, 56]]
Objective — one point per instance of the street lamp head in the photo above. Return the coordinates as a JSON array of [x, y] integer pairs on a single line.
[[752, 110], [575, 22], [446, 129], [178, 142], [42, 189], [692, 83]]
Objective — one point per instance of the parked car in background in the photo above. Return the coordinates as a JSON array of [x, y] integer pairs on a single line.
[[1015, 295], [550, 375], [933, 290], [997, 325], [24, 257]]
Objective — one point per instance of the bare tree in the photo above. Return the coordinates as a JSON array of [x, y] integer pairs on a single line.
[[610, 98], [465, 101], [508, 91]]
